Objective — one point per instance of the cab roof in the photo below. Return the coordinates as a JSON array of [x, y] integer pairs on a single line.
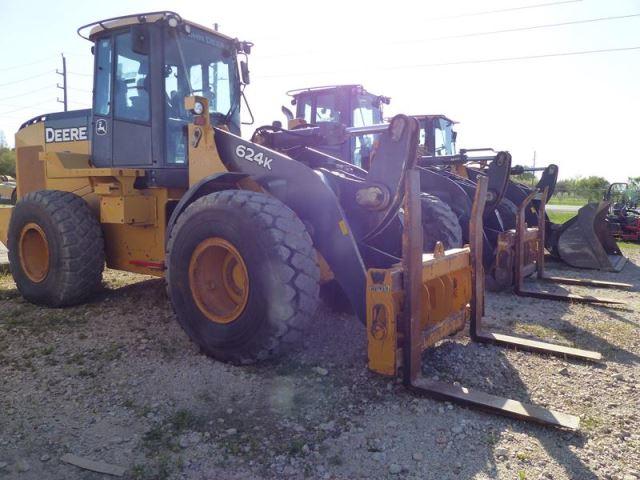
[[139, 19], [434, 116], [322, 88]]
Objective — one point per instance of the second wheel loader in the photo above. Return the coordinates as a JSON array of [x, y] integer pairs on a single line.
[[450, 176], [243, 234]]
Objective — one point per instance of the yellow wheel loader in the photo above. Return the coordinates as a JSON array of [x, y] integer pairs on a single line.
[[155, 179]]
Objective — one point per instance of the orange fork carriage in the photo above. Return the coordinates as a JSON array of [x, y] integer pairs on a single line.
[[427, 297]]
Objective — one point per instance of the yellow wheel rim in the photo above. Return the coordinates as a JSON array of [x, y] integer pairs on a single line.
[[219, 280], [33, 250]]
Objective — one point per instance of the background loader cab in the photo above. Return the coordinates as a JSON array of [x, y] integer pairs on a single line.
[[144, 69], [437, 137], [349, 105]]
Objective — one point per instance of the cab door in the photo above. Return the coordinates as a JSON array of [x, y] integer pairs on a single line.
[[122, 101], [102, 123]]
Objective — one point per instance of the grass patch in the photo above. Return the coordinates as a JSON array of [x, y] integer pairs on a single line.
[[559, 216], [630, 246], [36, 320], [590, 423], [183, 420], [578, 201], [295, 447], [162, 436], [536, 330], [162, 468]]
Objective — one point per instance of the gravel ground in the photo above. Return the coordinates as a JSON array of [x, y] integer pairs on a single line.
[[117, 380]]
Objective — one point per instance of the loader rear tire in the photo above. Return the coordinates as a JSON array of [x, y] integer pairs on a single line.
[[439, 224], [274, 275], [56, 248]]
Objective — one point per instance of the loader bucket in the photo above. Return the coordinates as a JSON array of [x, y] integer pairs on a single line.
[[585, 241]]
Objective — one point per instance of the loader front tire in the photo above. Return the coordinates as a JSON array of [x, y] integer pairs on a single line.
[[439, 224], [242, 275], [56, 248]]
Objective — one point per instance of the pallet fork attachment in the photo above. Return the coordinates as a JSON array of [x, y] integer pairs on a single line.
[[529, 259], [407, 313]]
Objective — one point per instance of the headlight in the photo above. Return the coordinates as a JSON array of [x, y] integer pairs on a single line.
[[173, 22], [198, 108]]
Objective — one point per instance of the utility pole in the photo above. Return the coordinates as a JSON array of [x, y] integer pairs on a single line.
[[63, 87], [534, 166]]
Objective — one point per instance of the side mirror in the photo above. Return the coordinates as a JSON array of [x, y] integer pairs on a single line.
[[244, 72], [454, 136], [287, 113], [140, 39]]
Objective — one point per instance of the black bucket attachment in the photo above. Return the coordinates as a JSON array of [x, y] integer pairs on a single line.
[[586, 242]]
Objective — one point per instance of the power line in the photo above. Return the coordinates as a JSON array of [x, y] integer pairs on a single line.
[[81, 74], [26, 79], [25, 94], [478, 34], [15, 67], [509, 59], [522, 29], [511, 9], [79, 89], [462, 62], [24, 108]]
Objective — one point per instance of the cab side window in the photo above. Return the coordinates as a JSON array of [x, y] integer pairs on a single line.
[[103, 78], [131, 86]]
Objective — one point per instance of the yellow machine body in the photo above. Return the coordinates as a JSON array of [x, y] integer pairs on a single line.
[[133, 220], [445, 298]]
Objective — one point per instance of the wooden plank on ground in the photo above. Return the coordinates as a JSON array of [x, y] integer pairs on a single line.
[[94, 466]]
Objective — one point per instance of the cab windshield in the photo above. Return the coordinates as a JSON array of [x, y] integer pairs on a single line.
[[443, 141], [366, 112], [202, 64]]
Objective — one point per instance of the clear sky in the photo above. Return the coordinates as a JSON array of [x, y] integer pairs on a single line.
[[579, 111]]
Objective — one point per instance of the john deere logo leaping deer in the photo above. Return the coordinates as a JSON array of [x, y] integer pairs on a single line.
[[101, 127]]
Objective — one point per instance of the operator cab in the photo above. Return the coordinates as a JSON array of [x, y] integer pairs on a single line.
[[144, 67], [437, 136], [350, 105]]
